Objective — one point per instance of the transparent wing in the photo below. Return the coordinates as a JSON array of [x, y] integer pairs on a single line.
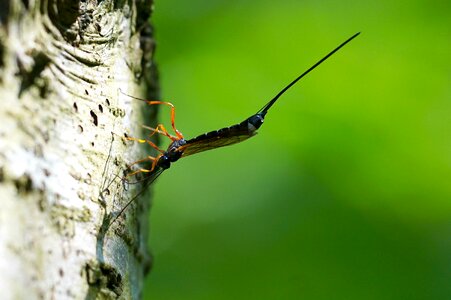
[[208, 143]]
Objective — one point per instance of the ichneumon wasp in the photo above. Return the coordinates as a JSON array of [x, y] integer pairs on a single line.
[[180, 147]]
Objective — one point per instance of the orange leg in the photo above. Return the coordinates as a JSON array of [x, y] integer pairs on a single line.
[[142, 141], [161, 130], [154, 163], [151, 158], [177, 133]]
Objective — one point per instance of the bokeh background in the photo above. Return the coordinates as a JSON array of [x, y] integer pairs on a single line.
[[345, 193]]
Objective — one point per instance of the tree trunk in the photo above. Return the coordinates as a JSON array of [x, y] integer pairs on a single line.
[[62, 151]]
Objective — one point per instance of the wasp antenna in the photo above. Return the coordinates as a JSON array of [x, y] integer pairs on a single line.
[[133, 97], [153, 177], [265, 108]]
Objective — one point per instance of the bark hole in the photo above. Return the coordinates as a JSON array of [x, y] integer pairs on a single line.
[[94, 118]]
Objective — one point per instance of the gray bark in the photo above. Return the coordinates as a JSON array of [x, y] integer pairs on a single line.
[[62, 151]]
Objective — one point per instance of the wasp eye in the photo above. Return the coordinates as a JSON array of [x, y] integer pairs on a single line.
[[164, 162]]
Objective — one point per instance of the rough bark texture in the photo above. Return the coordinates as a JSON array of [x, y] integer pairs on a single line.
[[62, 151]]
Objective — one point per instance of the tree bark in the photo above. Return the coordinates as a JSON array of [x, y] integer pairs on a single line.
[[62, 151]]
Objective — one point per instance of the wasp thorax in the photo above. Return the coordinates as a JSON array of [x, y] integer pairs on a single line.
[[174, 147], [174, 151]]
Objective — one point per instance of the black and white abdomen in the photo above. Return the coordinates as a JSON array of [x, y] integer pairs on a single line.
[[254, 122]]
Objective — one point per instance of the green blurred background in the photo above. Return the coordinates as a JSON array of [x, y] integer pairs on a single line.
[[345, 193]]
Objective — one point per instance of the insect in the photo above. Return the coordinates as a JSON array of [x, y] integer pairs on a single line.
[[180, 147]]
